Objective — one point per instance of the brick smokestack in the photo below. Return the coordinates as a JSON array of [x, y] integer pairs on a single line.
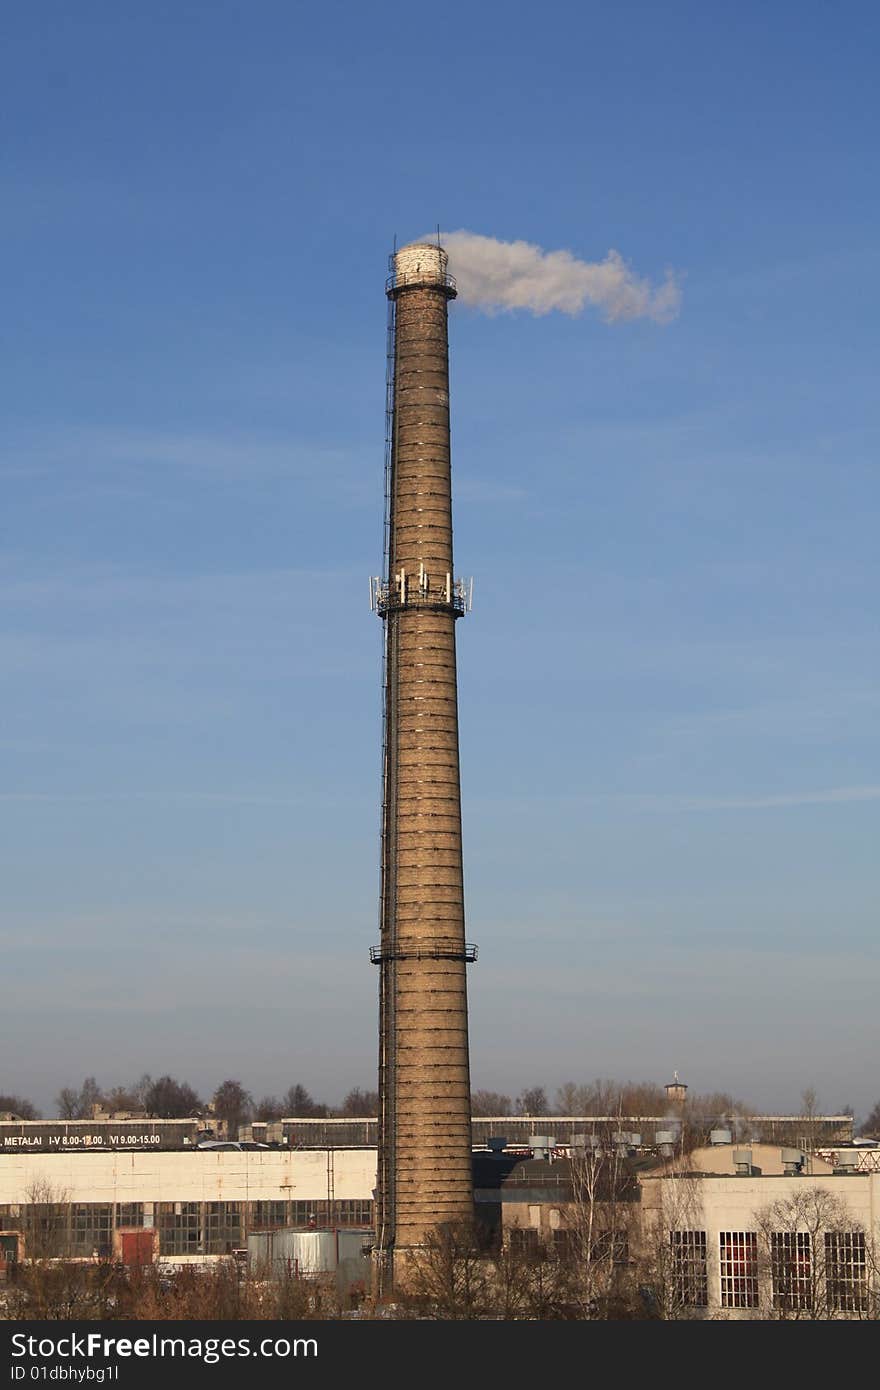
[[424, 1176]]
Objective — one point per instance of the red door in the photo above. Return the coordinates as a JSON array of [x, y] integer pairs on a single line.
[[137, 1247]]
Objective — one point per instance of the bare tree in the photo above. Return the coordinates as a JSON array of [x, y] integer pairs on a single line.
[[298, 1104], [810, 1105], [358, 1103], [67, 1103], [168, 1099], [671, 1249], [572, 1099], [871, 1126], [532, 1101], [20, 1107], [45, 1220], [78, 1105], [489, 1103], [601, 1224], [449, 1276], [124, 1098], [269, 1108], [232, 1104]]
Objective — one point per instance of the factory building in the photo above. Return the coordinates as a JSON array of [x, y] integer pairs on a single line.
[[705, 1220], [730, 1230], [815, 1132], [199, 1205], [767, 1244]]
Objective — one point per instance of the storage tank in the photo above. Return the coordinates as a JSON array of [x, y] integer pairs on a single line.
[[311, 1254]]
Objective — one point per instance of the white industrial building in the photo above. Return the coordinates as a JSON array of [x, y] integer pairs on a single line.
[[769, 1244], [200, 1203]]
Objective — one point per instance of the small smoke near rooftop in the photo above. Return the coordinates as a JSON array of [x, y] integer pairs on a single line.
[[495, 276]]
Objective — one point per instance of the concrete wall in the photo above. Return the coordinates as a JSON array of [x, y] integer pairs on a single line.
[[201, 1176]]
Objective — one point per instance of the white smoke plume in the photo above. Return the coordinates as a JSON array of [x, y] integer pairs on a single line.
[[501, 275]]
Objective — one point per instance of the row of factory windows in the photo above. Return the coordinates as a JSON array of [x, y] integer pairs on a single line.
[[833, 1267], [801, 1275], [185, 1228], [563, 1242]]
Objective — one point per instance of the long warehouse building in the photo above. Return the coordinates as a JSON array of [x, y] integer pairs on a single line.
[[198, 1203]]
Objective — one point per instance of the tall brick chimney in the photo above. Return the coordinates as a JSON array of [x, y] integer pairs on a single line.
[[424, 1175]]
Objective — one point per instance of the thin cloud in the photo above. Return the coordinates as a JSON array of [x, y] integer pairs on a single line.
[[834, 796], [673, 803]]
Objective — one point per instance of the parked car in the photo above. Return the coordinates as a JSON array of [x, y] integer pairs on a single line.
[[231, 1145]]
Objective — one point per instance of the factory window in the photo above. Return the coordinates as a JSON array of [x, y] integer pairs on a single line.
[[180, 1228], [46, 1229], [266, 1216], [8, 1221], [690, 1286], [846, 1271], [130, 1214], [354, 1213], [222, 1227], [90, 1227], [791, 1269], [739, 1269], [525, 1240], [612, 1246], [308, 1214], [564, 1242]]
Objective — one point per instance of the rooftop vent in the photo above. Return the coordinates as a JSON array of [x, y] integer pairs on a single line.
[[720, 1136], [846, 1161], [792, 1161], [583, 1144], [541, 1145], [742, 1160], [665, 1141]]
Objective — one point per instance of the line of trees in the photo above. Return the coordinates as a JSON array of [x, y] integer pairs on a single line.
[[702, 1112], [17, 1105], [168, 1098], [601, 1097]]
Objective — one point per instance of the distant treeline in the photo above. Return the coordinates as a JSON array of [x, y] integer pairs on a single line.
[[168, 1098]]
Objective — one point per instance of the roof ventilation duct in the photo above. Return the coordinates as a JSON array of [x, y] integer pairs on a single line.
[[846, 1161], [665, 1141], [541, 1145]]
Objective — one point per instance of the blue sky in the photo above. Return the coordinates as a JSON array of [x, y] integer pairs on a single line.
[[669, 683]]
